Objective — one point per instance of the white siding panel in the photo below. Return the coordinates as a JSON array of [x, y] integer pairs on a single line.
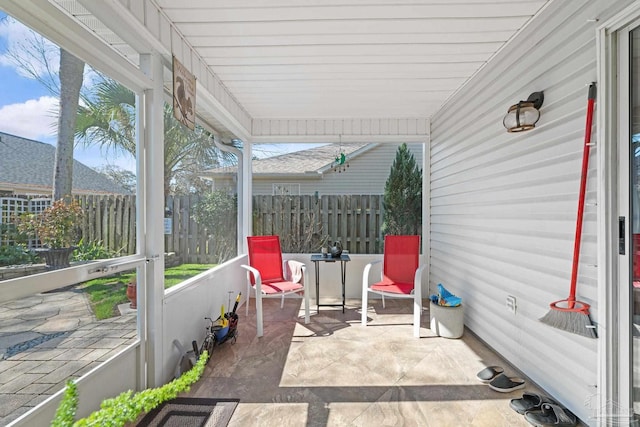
[[366, 174], [503, 206]]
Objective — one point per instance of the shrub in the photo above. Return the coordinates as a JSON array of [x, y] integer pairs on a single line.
[[402, 199], [217, 211], [127, 406], [56, 226], [16, 255], [88, 251]]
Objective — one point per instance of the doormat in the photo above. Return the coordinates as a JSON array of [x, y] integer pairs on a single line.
[[191, 412]]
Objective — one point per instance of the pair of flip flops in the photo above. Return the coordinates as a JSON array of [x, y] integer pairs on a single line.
[[542, 411], [498, 380]]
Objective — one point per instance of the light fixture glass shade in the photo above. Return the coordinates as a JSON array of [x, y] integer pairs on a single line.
[[521, 116]]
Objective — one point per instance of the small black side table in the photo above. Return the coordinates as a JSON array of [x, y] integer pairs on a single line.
[[344, 259]]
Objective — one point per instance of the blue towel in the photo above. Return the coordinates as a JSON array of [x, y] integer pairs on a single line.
[[445, 298]]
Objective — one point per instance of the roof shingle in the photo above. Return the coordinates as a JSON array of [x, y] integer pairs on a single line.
[[28, 163]]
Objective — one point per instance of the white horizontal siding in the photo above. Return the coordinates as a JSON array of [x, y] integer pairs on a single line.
[[366, 174], [503, 206]]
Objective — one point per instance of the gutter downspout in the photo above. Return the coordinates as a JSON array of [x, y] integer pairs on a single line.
[[239, 187]]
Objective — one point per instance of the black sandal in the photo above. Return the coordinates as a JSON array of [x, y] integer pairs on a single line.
[[551, 415], [489, 373], [505, 384], [529, 402]]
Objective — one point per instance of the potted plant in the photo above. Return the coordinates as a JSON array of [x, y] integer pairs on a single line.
[[57, 229]]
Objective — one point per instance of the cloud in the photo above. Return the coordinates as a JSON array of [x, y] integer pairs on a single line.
[[24, 48], [37, 119], [94, 157], [34, 119], [33, 56]]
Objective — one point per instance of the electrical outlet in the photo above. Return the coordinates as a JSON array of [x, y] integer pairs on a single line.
[[511, 304]]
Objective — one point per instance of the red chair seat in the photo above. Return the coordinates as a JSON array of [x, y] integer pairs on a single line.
[[279, 287], [393, 287]]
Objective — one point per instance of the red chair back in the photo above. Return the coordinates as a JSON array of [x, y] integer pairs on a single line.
[[401, 258], [265, 256]]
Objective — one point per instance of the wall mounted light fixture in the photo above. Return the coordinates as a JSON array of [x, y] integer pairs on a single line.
[[525, 114]]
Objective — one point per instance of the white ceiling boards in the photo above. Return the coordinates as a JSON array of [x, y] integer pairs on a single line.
[[346, 58], [271, 64]]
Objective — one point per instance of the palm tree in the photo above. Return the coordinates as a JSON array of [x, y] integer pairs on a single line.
[[71, 76], [107, 119]]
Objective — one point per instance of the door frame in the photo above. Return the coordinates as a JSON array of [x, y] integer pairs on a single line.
[[614, 393]]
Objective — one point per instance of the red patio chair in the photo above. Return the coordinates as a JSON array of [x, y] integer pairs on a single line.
[[265, 274], [401, 276]]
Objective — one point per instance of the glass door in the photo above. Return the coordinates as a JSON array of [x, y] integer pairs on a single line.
[[633, 136]]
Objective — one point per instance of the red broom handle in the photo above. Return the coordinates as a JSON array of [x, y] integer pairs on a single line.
[[583, 189]]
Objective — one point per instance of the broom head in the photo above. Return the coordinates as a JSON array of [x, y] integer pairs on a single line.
[[571, 316]]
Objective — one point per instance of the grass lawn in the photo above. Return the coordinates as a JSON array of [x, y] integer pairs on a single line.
[[106, 293]]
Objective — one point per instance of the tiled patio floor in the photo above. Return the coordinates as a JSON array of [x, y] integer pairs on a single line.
[[333, 372], [48, 338]]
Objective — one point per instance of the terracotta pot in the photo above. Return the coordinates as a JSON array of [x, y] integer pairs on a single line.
[[132, 293]]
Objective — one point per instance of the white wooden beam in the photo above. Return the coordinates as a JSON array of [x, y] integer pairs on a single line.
[[153, 208], [341, 130], [61, 29], [146, 28]]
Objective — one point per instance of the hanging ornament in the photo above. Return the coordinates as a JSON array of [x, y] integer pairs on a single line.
[[340, 162]]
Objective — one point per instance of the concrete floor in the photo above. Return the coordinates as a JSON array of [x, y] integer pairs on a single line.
[[334, 372]]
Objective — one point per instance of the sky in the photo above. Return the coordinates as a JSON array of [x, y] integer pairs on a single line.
[[29, 110]]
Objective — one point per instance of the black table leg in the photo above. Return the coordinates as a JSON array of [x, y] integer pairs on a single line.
[[317, 286], [343, 270]]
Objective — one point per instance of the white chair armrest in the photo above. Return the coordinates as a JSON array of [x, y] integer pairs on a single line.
[[417, 282], [256, 275], [366, 272]]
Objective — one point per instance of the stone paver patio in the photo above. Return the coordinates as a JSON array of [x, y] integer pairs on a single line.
[[45, 339]]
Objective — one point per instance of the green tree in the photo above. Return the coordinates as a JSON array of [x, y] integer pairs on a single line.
[[217, 212], [107, 119], [402, 199]]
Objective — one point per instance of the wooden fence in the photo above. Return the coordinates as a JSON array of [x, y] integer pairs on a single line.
[[110, 220], [304, 223]]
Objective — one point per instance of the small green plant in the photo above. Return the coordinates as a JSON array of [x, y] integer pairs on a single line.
[[66, 412], [56, 226], [88, 251], [127, 406]]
